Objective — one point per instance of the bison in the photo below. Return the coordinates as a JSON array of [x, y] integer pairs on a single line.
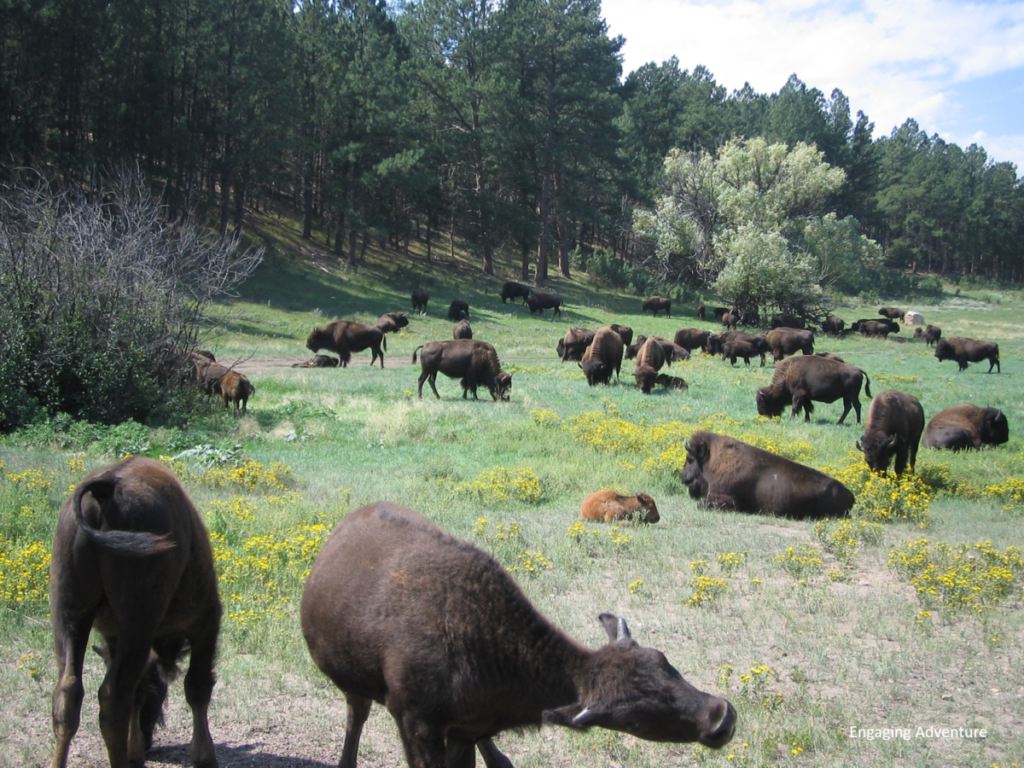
[[930, 333], [671, 382], [652, 353], [691, 338], [393, 322], [635, 347], [458, 310], [965, 351], [893, 428], [734, 349], [892, 313], [475, 362], [574, 344], [701, 311], [830, 356], [610, 507], [801, 380], [656, 304], [786, 320], [236, 388], [462, 330], [420, 297], [646, 377], [344, 338], [603, 356], [514, 291], [319, 361], [538, 302], [398, 611], [719, 311], [789, 341], [208, 376], [966, 426], [875, 327], [132, 560], [727, 473], [625, 333], [730, 320], [715, 344], [833, 325]]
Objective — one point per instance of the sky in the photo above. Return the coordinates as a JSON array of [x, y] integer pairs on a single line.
[[956, 67]]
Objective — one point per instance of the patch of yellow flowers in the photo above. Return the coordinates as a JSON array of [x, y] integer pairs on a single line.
[[24, 573], [501, 485]]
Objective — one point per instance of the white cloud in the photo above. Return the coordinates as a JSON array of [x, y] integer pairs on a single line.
[[894, 59]]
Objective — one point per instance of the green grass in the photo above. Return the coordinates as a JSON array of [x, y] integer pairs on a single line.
[[845, 646]]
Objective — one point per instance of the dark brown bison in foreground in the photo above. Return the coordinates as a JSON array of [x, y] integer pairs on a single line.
[[319, 361], [691, 338], [462, 330], [930, 333], [965, 351], [132, 560], [399, 612], [458, 310], [538, 302], [420, 297], [393, 322], [343, 338], [892, 313], [966, 426], [656, 304], [730, 474], [603, 356], [893, 428], [610, 507], [574, 344], [514, 291], [801, 380], [236, 388], [789, 341], [475, 362]]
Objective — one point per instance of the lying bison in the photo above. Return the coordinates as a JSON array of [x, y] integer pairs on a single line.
[[236, 389], [574, 344], [876, 328], [319, 361], [399, 612], [458, 310], [538, 302], [603, 356], [420, 297], [730, 474], [966, 426], [656, 304], [514, 291], [789, 341], [462, 330], [132, 560], [671, 382], [965, 351], [801, 380], [892, 429], [344, 338], [475, 362], [611, 507]]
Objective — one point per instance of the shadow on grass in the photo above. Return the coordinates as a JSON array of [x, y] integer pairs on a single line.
[[240, 756]]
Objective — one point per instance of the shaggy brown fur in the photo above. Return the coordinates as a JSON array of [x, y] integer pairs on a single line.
[[965, 351], [574, 344], [691, 338], [656, 304], [319, 361], [966, 426], [603, 356], [671, 382], [420, 297], [392, 322], [236, 388], [892, 313], [609, 506], [475, 362], [343, 338], [744, 349], [801, 380], [645, 378], [789, 341], [462, 330], [893, 428]]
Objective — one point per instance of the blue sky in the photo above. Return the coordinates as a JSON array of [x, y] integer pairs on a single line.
[[955, 67]]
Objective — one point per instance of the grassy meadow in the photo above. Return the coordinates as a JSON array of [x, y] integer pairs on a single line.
[[907, 616]]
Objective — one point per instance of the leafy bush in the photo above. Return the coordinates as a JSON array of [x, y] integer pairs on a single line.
[[608, 268]]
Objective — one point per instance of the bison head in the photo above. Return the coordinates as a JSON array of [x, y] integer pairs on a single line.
[[698, 451], [944, 350], [995, 430], [645, 377], [650, 509], [319, 339], [878, 450], [502, 387], [596, 371], [713, 345], [770, 403]]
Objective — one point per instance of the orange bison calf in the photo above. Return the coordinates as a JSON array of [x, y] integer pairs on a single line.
[[236, 388], [610, 507]]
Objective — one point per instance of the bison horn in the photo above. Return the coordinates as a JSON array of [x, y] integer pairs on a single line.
[[583, 718], [859, 446]]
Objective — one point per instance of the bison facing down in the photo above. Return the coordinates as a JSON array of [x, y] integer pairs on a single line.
[[730, 474], [930, 333], [458, 310], [574, 344], [344, 338], [801, 380], [514, 291], [965, 351], [399, 612], [611, 507], [893, 428], [656, 304], [132, 560], [475, 362], [603, 356], [966, 426]]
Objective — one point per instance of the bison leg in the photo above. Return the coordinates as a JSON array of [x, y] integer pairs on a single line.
[[358, 711], [71, 645], [432, 379], [847, 405], [994, 362], [493, 757], [199, 682], [128, 660], [424, 745]]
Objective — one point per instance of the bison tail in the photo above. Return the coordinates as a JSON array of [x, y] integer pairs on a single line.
[[384, 342], [126, 543], [415, 351], [867, 385]]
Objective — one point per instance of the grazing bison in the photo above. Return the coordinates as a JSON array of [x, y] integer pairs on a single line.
[[344, 338], [208, 376], [673, 352], [393, 322], [734, 349], [399, 612], [514, 291], [893, 428], [646, 377], [610, 507], [236, 388], [730, 474], [966, 426], [892, 313], [132, 560], [701, 311], [574, 344], [833, 325], [652, 353], [475, 362], [420, 297], [538, 302], [715, 344], [635, 347], [671, 382], [603, 356], [319, 361], [625, 333], [656, 304], [462, 330], [730, 320], [801, 380], [691, 338], [930, 333], [789, 341], [875, 327], [786, 320], [965, 351], [458, 310]]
